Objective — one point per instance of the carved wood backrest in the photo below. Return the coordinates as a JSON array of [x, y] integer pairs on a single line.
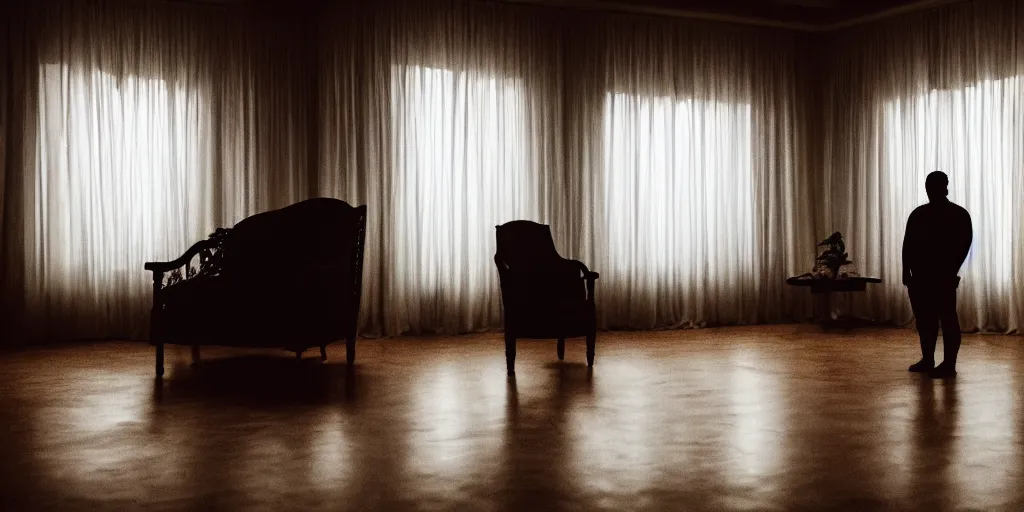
[[315, 233]]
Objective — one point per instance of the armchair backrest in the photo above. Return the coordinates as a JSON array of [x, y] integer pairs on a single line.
[[526, 245], [527, 249]]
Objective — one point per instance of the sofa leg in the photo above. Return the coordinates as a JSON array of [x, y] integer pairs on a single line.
[[350, 351], [323, 352], [195, 354], [159, 359], [591, 345], [561, 349], [510, 354]]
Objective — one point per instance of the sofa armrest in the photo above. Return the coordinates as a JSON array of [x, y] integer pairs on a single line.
[[184, 259], [181, 269]]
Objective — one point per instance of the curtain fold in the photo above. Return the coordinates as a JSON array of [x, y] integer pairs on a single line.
[[688, 160], [693, 164], [444, 117], [18, 91], [936, 90], [457, 116], [147, 125]]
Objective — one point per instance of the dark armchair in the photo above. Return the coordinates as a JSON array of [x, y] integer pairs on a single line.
[[288, 278], [543, 294]]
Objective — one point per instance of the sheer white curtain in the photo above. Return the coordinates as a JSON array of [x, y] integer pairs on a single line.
[[121, 173], [678, 191], [444, 120], [648, 145], [681, 160], [970, 134], [689, 172], [147, 126], [156, 123], [460, 169], [941, 90]]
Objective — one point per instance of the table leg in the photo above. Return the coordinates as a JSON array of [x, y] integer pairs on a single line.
[[826, 319]]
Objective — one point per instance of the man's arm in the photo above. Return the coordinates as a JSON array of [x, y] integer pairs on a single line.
[[966, 238], [908, 241]]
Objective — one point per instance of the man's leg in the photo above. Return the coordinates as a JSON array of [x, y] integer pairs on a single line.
[[946, 303], [923, 305]]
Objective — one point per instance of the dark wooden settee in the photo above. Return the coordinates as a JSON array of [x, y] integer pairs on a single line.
[[288, 278]]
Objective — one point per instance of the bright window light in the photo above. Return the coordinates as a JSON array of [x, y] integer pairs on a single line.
[[678, 190], [460, 155], [968, 134], [118, 159]]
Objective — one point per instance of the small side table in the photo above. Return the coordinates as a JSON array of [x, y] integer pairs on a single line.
[[825, 287]]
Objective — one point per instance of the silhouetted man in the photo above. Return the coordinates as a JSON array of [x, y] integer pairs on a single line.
[[936, 244]]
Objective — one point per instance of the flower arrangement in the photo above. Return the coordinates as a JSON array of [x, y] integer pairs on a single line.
[[832, 258]]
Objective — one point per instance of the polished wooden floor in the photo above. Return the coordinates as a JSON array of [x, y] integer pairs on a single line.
[[758, 418]]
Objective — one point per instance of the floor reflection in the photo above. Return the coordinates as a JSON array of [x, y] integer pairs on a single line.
[[757, 430], [263, 381], [934, 435], [455, 411], [728, 419], [982, 418], [615, 453], [537, 435]]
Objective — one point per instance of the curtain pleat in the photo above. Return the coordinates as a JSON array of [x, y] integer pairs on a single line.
[[687, 148], [694, 165], [445, 118], [939, 90], [631, 136], [150, 124], [18, 94]]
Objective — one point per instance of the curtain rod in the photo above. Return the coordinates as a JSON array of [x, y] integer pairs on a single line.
[[627, 8], [888, 13]]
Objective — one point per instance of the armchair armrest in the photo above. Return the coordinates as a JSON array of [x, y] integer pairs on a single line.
[[589, 276], [587, 273]]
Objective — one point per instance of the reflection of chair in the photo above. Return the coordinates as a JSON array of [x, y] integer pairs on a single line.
[[543, 294], [288, 278]]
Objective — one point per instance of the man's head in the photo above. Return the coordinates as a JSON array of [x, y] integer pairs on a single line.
[[936, 185]]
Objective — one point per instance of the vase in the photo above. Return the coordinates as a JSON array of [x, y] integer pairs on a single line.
[[833, 271]]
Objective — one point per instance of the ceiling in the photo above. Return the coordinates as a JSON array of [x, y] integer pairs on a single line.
[[801, 14], [796, 14]]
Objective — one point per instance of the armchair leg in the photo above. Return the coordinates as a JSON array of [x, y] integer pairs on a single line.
[[510, 354], [350, 351], [160, 360], [591, 345], [195, 354], [323, 352], [561, 349]]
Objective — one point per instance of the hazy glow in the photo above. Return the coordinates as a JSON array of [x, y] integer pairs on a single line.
[[460, 157], [898, 414], [678, 188], [968, 134], [331, 463], [985, 424], [102, 419], [119, 158], [441, 442], [758, 428], [612, 451]]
